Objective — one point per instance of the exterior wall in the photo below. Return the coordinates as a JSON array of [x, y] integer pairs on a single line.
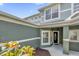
[[64, 15], [65, 11], [13, 32], [33, 43], [74, 45], [65, 6], [35, 19]]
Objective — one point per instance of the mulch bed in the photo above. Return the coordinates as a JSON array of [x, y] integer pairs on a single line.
[[41, 52]]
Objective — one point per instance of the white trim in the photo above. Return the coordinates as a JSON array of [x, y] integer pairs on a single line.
[[24, 40], [59, 11], [69, 18], [73, 40], [51, 13], [65, 39], [58, 37], [72, 8], [74, 30], [42, 43], [66, 10], [3, 18], [36, 38], [44, 15], [68, 40], [58, 7]]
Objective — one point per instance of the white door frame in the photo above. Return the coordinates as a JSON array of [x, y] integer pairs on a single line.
[[58, 37], [42, 43]]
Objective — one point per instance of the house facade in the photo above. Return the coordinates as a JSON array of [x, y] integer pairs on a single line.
[[55, 24], [59, 25]]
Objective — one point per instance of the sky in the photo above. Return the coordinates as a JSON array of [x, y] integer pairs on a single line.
[[21, 10]]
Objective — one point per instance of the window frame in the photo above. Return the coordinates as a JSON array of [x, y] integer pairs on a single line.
[[45, 13], [75, 8], [75, 30], [55, 12], [58, 7]]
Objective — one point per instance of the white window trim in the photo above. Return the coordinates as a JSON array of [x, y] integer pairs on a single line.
[[65, 10], [72, 8], [48, 37], [51, 15], [45, 14], [59, 12], [74, 30]]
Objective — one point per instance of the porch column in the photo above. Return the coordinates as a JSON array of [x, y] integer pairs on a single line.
[[66, 39]]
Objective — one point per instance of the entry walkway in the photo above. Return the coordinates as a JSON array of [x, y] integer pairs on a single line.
[[57, 50]]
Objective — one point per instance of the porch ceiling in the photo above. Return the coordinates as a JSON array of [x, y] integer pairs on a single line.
[[61, 24]]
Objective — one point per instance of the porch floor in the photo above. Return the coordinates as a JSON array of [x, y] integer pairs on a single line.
[[57, 50]]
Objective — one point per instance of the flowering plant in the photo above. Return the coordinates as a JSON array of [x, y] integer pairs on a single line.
[[12, 44], [16, 50]]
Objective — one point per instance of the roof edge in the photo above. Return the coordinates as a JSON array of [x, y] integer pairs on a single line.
[[16, 18]]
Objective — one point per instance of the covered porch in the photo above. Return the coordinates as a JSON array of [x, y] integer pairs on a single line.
[[55, 36], [67, 33], [67, 37]]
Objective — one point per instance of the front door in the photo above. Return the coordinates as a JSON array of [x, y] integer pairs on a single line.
[[56, 37], [45, 37]]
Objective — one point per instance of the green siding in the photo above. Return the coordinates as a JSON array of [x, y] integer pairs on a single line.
[[64, 6], [11, 31], [74, 27], [74, 46], [33, 43], [64, 15]]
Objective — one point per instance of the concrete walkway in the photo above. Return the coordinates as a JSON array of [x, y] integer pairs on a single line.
[[57, 50]]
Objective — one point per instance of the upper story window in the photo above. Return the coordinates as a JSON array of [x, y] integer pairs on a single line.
[[36, 17], [39, 17], [52, 13], [76, 7], [48, 14], [32, 18]]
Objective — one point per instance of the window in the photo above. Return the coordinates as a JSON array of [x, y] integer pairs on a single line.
[[48, 14], [76, 7], [73, 35], [45, 37], [55, 13], [36, 17], [39, 16], [32, 18], [51, 13]]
